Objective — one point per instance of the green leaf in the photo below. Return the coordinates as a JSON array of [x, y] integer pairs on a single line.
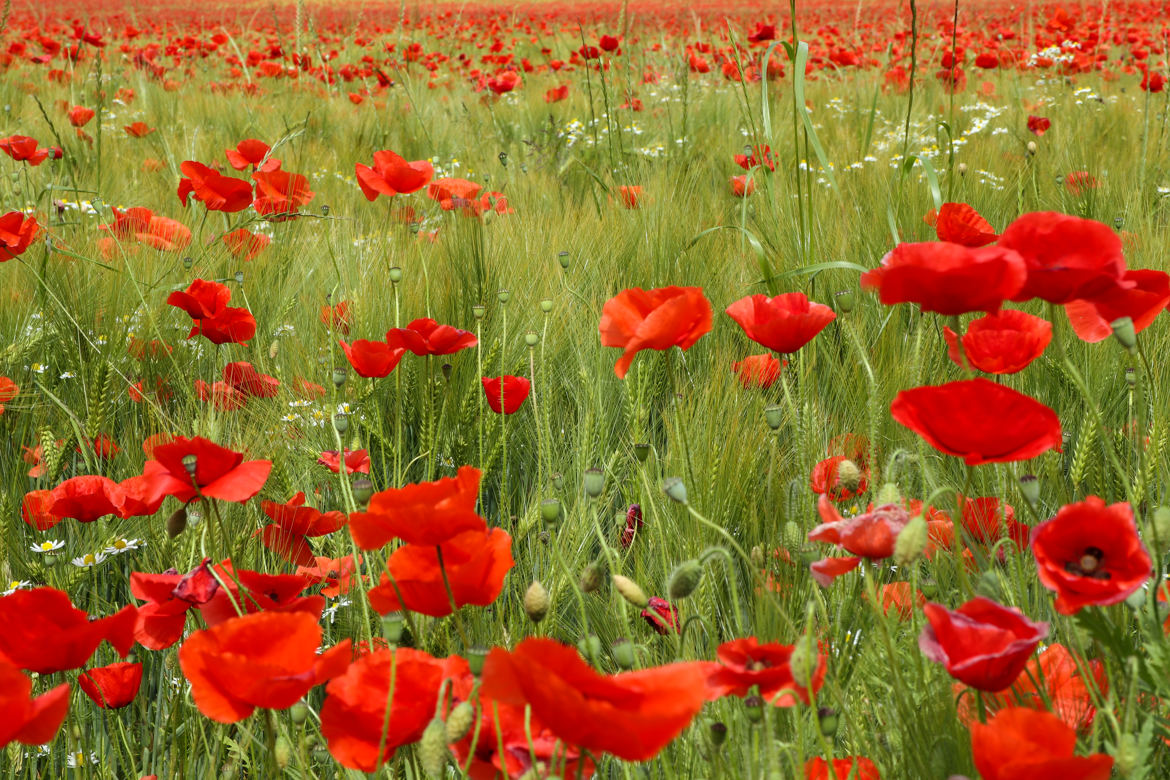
[[798, 89]]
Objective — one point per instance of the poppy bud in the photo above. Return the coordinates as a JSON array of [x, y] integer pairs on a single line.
[[459, 721], [504, 295], [194, 516], [1127, 754], [446, 370], [962, 169], [282, 752], [911, 541], [1131, 377], [792, 537], [550, 511], [339, 376], [395, 274], [239, 277], [675, 489], [641, 451], [475, 659], [623, 653], [273, 350], [848, 476], [563, 258], [536, 601], [531, 338], [889, 494], [774, 416], [828, 721], [188, 262], [718, 732], [299, 713], [803, 661], [1119, 222], [1123, 331], [176, 523], [546, 305], [1031, 147], [504, 159], [754, 706], [392, 625], [1030, 487], [684, 579], [190, 463], [589, 646], [845, 300], [594, 482], [432, 749], [929, 589], [363, 490], [325, 210], [590, 578], [557, 479], [630, 591], [340, 422], [478, 311]]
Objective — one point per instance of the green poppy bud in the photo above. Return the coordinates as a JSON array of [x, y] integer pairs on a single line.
[[684, 579]]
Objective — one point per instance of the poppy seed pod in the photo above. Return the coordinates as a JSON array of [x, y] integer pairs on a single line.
[[190, 464], [594, 481], [754, 707], [299, 713], [475, 658], [504, 295], [675, 489], [459, 721], [341, 422], [432, 749], [176, 523], [589, 646], [563, 259], [478, 310], [845, 300], [827, 718], [546, 305], [395, 274], [641, 451], [1131, 377], [339, 376], [392, 625], [911, 541], [363, 489], [1030, 487], [684, 579], [531, 338], [536, 602], [1124, 332], [550, 511], [623, 653], [239, 277], [774, 416], [630, 591], [718, 732]]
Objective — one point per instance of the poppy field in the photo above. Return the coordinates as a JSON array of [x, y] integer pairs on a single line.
[[584, 389]]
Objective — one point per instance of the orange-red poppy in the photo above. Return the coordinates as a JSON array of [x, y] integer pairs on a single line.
[[17, 232], [426, 513], [28, 720], [637, 319], [392, 175], [1020, 742]]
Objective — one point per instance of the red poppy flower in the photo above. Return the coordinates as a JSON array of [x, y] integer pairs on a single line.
[[279, 194], [1001, 343], [900, 598], [947, 278], [392, 175], [1079, 182], [503, 82], [427, 513], [505, 394], [870, 535], [372, 358], [45, 633], [1066, 257], [448, 191], [146, 227], [826, 570], [251, 152], [1038, 125], [1090, 554], [112, 687], [252, 591], [742, 186], [87, 498], [293, 523], [17, 232], [336, 316], [637, 319], [169, 595], [784, 323], [826, 479], [223, 396], [760, 155], [1053, 678], [987, 520], [79, 116], [245, 244], [336, 573], [27, 720], [306, 390], [982, 644], [745, 663], [758, 370], [1020, 742], [356, 461], [661, 615], [1142, 302], [201, 298], [424, 336], [630, 196], [556, 94], [475, 563], [632, 715], [961, 224], [216, 191], [249, 381], [979, 421], [206, 303], [138, 129], [35, 510], [383, 701], [217, 471], [634, 524], [236, 666], [22, 148], [848, 768]]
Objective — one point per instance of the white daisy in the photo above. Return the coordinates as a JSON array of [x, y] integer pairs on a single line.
[[16, 585], [79, 758], [124, 545], [89, 560], [49, 545]]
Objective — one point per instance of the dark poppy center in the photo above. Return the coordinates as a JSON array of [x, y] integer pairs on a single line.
[[1089, 564]]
